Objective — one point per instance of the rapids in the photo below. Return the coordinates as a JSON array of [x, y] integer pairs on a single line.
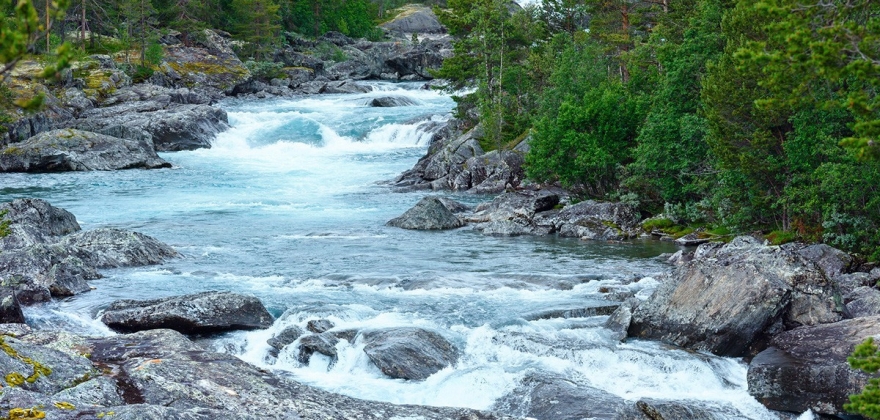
[[288, 205]]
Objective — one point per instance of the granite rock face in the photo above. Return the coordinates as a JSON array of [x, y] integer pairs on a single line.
[[430, 213]]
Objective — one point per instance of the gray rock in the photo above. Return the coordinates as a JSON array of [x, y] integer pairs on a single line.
[[408, 353], [112, 248], [76, 150], [618, 322], [10, 309], [691, 239], [489, 173], [862, 302], [345, 86], [206, 312], [572, 312], [45, 270], [545, 396], [806, 368], [453, 154], [100, 391], [731, 303], [392, 101], [428, 214], [41, 369], [282, 339], [318, 326], [833, 262], [317, 343], [421, 20], [34, 221], [514, 213], [652, 409], [598, 221]]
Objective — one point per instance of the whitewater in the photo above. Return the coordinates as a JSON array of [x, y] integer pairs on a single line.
[[290, 205]]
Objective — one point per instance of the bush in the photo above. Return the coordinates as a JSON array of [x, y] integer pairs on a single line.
[[265, 70], [867, 358]]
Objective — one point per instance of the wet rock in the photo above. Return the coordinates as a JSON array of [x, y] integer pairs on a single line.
[[691, 239], [206, 312], [76, 150], [652, 409], [39, 368], [345, 87], [572, 312], [598, 221], [41, 271], [112, 248], [732, 302], [428, 214], [862, 302], [10, 309], [282, 339], [618, 322], [318, 326], [408, 353], [318, 343], [806, 368], [545, 396], [391, 102], [34, 221]]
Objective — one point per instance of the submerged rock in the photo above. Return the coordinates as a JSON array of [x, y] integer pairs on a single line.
[[652, 409], [806, 368], [408, 353], [76, 150], [281, 340], [731, 300], [207, 312], [392, 101], [317, 343], [430, 213], [318, 326]]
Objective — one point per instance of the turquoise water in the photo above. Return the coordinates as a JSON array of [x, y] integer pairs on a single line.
[[289, 205]]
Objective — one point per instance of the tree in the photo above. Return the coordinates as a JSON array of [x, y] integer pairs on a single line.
[[866, 357], [257, 24]]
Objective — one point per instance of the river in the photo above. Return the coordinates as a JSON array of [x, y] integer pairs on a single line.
[[289, 206]]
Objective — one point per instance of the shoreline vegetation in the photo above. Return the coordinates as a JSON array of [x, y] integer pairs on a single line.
[[745, 129]]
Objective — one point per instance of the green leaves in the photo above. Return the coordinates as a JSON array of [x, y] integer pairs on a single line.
[[867, 358]]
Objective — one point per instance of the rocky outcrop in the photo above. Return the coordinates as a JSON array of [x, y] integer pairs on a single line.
[[160, 374], [513, 213], [545, 396], [863, 301], [415, 20], [730, 300], [428, 214], [391, 102], [408, 353], [10, 309], [46, 255], [213, 66], [206, 312], [76, 150], [806, 368], [595, 220], [653, 409]]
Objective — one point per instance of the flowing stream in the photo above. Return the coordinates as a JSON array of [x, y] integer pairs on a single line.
[[288, 205]]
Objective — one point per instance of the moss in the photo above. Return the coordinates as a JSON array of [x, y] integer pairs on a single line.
[[39, 369], [778, 237], [661, 224], [4, 224], [24, 414], [64, 405], [201, 67], [15, 379]]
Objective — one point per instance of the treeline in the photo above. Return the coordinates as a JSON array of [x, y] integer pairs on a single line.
[[733, 116], [122, 24]]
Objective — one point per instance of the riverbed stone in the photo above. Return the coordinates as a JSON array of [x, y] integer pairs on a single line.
[[655, 409], [34, 221], [284, 338], [862, 302], [113, 248], [10, 309], [77, 150], [317, 343], [207, 312], [428, 214], [598, 221], [546, 396], [318, 326], [806, 368], [408, 352], [731, 302]]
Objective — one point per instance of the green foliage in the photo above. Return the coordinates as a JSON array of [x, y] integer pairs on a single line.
[[778, 237], [265, 70], [4, 224], [866, 357], [258, 24], [661, 223], [316, 17], [330, 52]]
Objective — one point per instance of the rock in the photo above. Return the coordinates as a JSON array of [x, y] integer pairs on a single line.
[[113, 248], [346, 87], [489, 173], [730, 301], [619, 320], [218, 45], [691, 239], [392, 101], [207, 312], [101, 391], [544, 396], [599, 221], [40, 369], [862, 302], [41, 271], [318, 326], [76, 150], [514, 213], [453, 154], [651, 409], [806, 368], [428, 214], [34, 221], [294, 59], [173, 127], [318, 343], [572, 312], [10, 309], [418, 20], [454, 206], [408, 353], [833, 262], [279, 341], [336, 38], [213, 67]]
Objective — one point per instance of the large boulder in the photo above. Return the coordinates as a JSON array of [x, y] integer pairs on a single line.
[[10, 309], [206, 312], [317, 343], [33, 221], [41, 271], [512, 213], [806, 368], [214, 66], [731, 299], [76, 150], [862, 302], [596, 220], [544, 396], [430, 213], [415, 19], [489, 173], [407, 352], [112, 248], [653, 409], [281, 340]]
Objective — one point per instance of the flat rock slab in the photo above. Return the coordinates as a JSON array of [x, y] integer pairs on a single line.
[[806, 368], [112, 248], [408, 353], [77, 150], [545, 396], [428, 214], [206, 312]]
